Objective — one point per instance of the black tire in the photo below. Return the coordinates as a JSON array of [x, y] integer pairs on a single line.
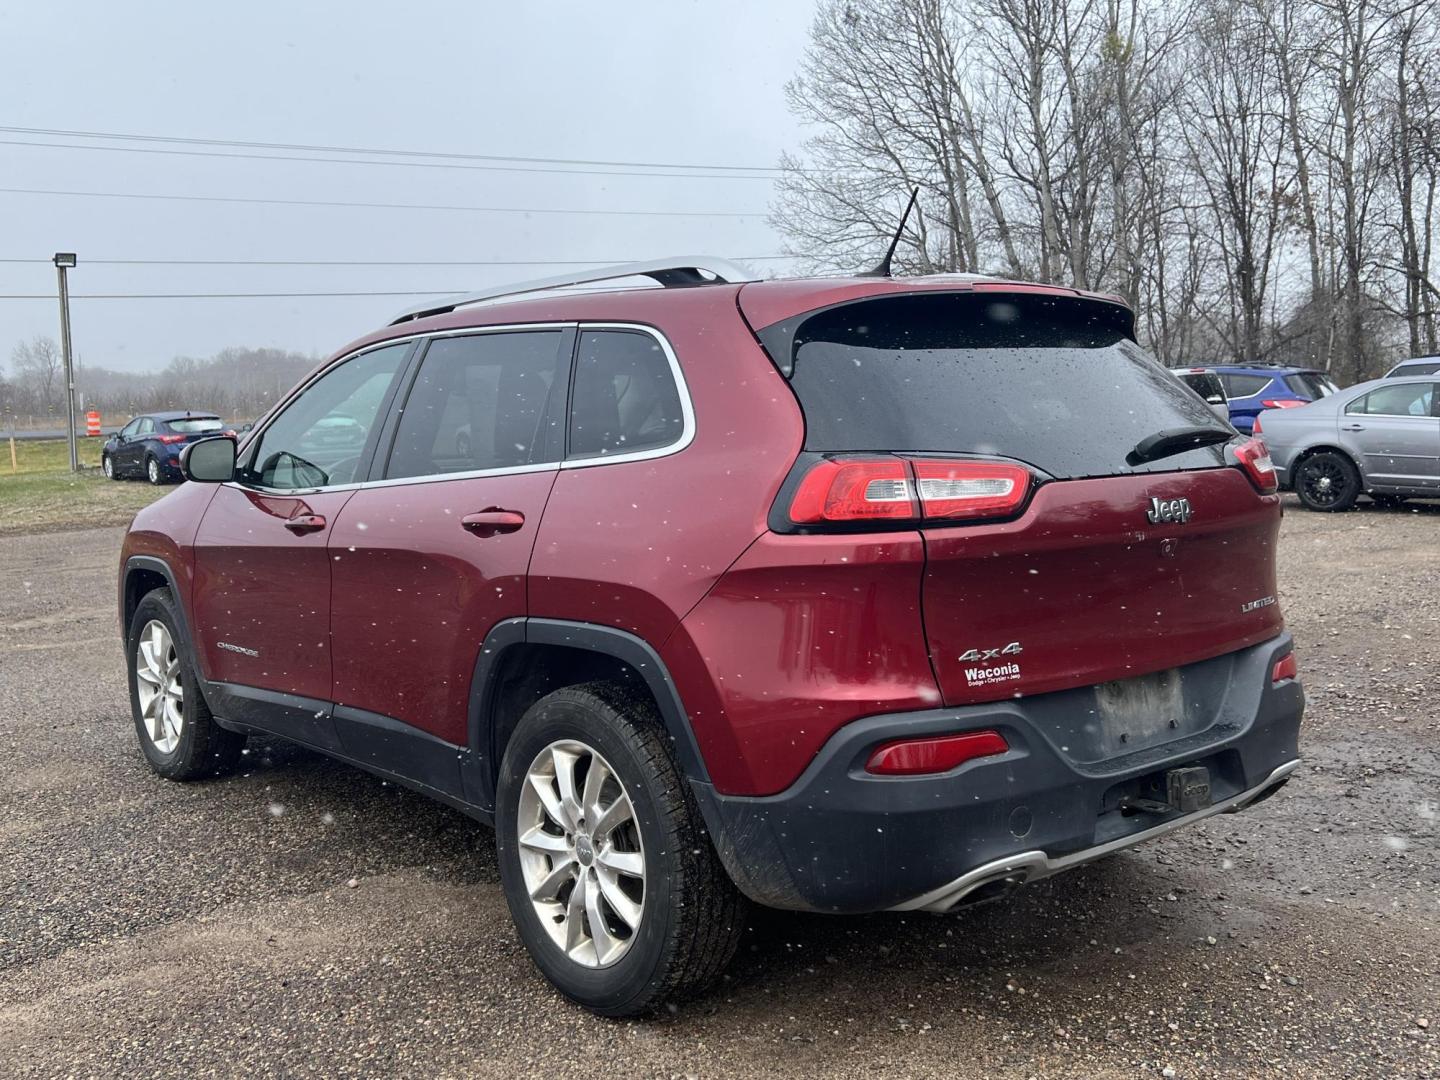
[[204, 748], [691, 913], [154, 471], [1388, 502], [1327, 481], [107, 465]]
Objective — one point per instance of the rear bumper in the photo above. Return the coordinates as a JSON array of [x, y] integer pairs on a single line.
[[842, 840]]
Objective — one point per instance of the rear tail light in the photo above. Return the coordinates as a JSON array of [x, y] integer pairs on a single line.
[[171, 438], [1254, 457], [869, 490], [1256, 429], [1282, 403], [910, 757], [970, 489], [1285, 668], [895, 490]]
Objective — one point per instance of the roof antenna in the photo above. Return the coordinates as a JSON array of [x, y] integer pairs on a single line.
[[883, 270]]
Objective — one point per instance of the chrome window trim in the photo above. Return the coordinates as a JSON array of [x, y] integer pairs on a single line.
[[687, 411]]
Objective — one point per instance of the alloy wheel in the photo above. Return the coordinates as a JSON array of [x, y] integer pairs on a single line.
[[581, 854], [157, 682], [154, 471], [109, 466], [1324, 482]]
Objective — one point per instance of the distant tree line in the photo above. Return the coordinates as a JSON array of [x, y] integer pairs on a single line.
[[1259, 178], [238, 383]]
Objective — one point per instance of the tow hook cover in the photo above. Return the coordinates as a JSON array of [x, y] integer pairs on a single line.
[[1188, 789]]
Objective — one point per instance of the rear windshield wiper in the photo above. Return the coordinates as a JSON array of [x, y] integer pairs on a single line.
[[1175, 441]]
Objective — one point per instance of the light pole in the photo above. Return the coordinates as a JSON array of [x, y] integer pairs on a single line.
[[63, 261]]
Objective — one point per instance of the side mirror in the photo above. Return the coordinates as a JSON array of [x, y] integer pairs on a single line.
[[209, 461]]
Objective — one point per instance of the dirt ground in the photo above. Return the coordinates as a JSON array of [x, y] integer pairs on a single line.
[[306, 919]]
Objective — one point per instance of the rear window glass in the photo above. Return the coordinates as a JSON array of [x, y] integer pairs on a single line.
[[196, 425], [1050, 381], [1244, 385], [1310, 384]]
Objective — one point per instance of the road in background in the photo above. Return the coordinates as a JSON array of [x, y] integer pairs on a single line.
[[306, 919]]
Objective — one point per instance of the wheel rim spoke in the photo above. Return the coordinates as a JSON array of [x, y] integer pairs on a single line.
[[564, 763], [617, 898], [631, 863], [575, 916], [605, 941], [548, 889], [545, 789], [616, 814]]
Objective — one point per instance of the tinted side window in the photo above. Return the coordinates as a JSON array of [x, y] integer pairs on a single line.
[[479, 402], [624, 398], [319, 438], [1414, 399], [1244, 385], [147, 426], [1206, 385], [131, 429], [1417, 369]]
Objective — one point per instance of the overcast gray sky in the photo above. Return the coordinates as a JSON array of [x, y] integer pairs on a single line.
[[639, 80]]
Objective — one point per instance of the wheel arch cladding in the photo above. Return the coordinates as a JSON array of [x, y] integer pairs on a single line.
[[524, 659]]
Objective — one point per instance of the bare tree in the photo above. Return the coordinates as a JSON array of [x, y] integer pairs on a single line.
[[1258, 177], [37, 365]]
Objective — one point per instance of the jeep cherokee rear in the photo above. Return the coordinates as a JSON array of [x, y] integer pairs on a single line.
[[844, 595]]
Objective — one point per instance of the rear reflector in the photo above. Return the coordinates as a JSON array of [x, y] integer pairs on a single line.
[[937, 755], [868, 490], [1254, 457], [885, 489], [1285, 668], [970, 489]]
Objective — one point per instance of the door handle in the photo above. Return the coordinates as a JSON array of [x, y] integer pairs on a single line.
[[305, 523], [1353, 427], [492, 521]]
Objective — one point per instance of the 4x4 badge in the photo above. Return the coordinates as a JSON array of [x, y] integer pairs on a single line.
[[1161, 510], [1013, 649]]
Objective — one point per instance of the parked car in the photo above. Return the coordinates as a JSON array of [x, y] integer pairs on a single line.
[[1380, 438], [839, 595], [149, 445], [1420, 365], [1206, 383], [1253, 388]]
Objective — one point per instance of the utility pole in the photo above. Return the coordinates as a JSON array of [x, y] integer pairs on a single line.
[[63, 261]]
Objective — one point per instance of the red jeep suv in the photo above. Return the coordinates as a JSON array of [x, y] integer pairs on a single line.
[[842, 595]]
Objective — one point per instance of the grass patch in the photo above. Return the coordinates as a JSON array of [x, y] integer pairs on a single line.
[[43, 495]]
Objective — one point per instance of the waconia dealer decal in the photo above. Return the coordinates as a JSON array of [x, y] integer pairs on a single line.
[[987, 674]]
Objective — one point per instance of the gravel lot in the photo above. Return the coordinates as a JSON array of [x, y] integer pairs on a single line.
[[305, 919]]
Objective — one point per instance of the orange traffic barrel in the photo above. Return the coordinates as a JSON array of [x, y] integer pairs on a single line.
[[92, 423]]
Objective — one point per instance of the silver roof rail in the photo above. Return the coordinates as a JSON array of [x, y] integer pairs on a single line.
[[677, 270]]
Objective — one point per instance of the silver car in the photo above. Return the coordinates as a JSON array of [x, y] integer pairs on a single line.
[[1380, 438]]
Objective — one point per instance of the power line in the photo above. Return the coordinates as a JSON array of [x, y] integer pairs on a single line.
[[220, 296], [316, 148], [393, 164], [569, 211], [365, 262]]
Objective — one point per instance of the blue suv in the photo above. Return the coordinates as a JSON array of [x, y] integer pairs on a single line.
[[1253, 388], [150, 445]]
